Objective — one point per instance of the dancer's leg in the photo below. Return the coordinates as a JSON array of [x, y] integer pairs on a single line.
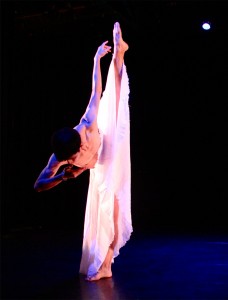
[[105, 270], [118, 58]]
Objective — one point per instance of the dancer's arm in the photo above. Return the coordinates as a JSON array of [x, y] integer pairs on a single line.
[[90, 116], [52, 175]]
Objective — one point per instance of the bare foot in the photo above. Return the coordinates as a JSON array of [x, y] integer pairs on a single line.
[[119, 44], [105, 273]]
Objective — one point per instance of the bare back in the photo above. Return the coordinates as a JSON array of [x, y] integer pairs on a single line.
[[90, 143]]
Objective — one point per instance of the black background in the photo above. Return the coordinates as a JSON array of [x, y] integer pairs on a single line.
[[178, 104]]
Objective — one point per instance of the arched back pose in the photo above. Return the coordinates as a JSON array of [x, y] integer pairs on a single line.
[[101, 143]]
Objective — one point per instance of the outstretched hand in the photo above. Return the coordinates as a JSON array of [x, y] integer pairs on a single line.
[[103, 49]]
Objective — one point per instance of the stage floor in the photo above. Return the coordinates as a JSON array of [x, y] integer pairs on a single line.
[[43, 264]]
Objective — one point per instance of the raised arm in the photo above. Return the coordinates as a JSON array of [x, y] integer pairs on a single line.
[[90, 115], [51, 175]]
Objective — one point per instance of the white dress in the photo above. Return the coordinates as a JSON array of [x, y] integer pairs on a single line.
[[111, 176]]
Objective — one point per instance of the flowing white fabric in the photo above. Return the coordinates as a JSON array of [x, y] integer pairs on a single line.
[[111, 176]]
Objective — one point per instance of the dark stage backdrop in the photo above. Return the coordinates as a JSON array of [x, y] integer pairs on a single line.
[[178, 104]]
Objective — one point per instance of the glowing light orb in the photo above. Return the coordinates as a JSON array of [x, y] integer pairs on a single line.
[[206, 26]]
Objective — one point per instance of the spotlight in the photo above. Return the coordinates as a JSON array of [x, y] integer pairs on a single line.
[[206, 25]]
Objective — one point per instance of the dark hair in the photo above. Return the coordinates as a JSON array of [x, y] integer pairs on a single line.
[[65, 142]]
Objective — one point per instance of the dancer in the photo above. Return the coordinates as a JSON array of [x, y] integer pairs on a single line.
[[101, 143]]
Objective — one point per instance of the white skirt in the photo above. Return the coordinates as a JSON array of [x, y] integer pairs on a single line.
[[111, 176]]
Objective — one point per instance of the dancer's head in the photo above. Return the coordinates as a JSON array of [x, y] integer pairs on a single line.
[[65, 142]]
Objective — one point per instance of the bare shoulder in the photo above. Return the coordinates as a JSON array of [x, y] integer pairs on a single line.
[[85, 126], [82, 124]]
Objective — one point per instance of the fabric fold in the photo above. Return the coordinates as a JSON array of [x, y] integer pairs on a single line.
[[111, 176]]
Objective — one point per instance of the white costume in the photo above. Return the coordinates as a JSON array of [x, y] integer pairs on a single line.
[[110, 176]]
